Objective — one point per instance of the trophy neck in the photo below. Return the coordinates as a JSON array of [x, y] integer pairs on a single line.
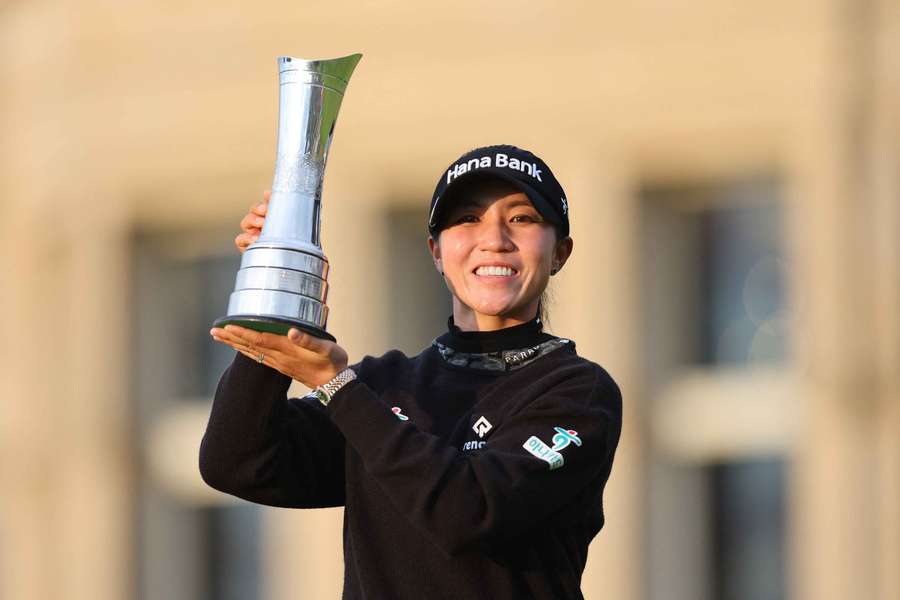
[[310, 98]]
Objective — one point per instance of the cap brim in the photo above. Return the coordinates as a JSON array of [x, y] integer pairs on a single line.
[[446, 199]]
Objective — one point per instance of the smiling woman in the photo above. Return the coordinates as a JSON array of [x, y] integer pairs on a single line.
[[497, 254], [441, 460]]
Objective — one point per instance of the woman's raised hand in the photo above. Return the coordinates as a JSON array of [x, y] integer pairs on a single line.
[[310, 360], [252, 223]]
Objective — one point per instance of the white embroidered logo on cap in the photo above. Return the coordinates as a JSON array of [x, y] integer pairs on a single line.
[[565, 204], [499, 159], [482, 426]]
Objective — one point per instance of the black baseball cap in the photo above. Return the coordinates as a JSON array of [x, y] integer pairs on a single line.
[[519, 167]]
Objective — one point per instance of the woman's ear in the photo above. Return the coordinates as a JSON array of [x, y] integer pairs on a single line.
[[434, 247], [561, 254]]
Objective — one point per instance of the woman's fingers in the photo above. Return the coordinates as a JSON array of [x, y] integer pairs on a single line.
[[256, 340], [220, 335], [260, 208], [243, 240], [252, 221], [232, 335], [246, 347]]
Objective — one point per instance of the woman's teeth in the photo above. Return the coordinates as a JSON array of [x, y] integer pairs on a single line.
[[495, 271]]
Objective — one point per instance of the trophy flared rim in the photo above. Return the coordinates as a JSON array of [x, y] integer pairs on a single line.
[[340, 68]]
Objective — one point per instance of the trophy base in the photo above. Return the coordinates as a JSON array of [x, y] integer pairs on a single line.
[[277, 325]]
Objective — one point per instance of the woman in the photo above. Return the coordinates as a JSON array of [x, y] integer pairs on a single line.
[[472, 470]]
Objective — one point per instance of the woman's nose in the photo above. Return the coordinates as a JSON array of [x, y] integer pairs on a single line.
[[495, 236]]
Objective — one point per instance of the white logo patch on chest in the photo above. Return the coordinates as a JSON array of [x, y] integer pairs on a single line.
[[482, 426]]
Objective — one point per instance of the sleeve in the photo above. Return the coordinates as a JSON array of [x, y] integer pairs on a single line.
[[534, 463], [263, 447]]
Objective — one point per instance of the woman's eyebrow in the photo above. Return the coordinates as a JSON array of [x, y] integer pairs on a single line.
[[478, 203], [468, 204], [517, 203]]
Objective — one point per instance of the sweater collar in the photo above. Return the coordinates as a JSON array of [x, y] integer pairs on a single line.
[[526, 334]]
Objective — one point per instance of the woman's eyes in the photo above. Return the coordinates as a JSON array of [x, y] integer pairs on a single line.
[[520, 218]]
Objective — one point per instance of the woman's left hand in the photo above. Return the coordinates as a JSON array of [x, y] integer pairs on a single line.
[[310, 360]]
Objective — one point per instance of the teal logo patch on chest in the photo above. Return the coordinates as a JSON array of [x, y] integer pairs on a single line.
[[551, 455]]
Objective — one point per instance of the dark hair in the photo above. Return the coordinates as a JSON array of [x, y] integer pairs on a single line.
[[543, 310]]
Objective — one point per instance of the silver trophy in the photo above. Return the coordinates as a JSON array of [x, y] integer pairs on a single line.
[[283, 279]]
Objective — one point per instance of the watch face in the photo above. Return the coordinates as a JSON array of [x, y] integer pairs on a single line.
[[321, 396]]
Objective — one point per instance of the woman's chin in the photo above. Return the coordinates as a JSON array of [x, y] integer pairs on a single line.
[[495, 308]]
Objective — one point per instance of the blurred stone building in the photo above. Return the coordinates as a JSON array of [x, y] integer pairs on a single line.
[[732, 169]]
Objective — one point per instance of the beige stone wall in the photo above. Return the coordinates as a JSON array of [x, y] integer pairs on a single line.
[[123, 117]]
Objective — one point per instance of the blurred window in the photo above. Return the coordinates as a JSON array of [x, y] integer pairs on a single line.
[[743, 310], [716, 335], [748, 532], [193, 543], [742, 297]]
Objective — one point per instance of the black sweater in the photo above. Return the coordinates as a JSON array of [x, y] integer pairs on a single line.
[[477, 481]]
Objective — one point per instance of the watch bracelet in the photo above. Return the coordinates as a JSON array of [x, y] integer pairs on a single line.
[[340, 380]]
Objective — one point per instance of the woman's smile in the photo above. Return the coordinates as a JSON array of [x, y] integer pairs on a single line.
[[496, 271]]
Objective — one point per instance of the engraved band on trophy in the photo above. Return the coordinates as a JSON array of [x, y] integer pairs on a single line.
[[283, 278]]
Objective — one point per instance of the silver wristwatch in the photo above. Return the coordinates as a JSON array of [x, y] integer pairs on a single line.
[[327, 390]]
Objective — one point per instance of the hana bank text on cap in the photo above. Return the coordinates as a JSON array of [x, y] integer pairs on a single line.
[[525, 170]]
